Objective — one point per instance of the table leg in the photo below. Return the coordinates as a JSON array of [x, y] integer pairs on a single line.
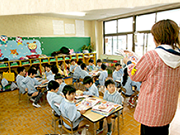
[[94, 128], [118, 123]]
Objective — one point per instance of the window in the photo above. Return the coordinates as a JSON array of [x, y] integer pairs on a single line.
[[171, 14], [145, 22], [119, 33], [125, 25], [110, 27]]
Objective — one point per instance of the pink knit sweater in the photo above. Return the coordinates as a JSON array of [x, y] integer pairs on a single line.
[[159, 91]]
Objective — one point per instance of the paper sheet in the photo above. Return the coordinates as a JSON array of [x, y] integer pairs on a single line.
[[69, 28], [79, 28], [58, 27]]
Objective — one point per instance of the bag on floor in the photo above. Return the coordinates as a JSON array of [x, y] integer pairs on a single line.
[[13, 86], [9, 76]]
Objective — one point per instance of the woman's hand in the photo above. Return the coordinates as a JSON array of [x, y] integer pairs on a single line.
[[125, 60]]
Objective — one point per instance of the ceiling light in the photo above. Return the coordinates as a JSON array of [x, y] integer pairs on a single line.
[[73, 13]]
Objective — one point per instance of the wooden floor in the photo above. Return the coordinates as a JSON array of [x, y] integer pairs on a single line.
[[21, 118]]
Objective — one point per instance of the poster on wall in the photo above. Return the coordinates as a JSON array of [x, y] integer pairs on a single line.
[[15, 49]]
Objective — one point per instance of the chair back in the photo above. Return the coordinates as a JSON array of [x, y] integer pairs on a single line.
[[67, 121]]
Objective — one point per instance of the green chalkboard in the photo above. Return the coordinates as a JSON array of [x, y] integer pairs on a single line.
[[51, 44]]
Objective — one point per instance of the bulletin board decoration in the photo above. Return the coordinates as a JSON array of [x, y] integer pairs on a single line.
[[15, 49], [3, 40]]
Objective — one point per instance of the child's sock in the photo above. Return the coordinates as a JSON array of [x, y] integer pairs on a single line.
[[109, 127]]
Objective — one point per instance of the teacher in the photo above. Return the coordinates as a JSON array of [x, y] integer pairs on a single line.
[[159, 72]]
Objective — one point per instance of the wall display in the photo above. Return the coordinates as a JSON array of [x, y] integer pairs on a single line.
[[15, 49]]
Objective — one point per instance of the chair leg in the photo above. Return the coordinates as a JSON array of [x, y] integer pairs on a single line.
[[55, 127], [19, 97], [122, 118], [114, 124]]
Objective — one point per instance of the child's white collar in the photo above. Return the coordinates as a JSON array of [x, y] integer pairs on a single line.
[[68, 101], [112, 93]]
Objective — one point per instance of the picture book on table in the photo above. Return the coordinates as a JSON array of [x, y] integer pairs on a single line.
[[87, 103], [105, 108]]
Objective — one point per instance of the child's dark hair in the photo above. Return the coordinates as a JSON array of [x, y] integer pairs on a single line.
[[33, 67], [87, 80], [79, 62], [47, 65], [54, 69], [73, 60], [58, 76], [20, 69], [32, 71], [83, 66], [99, 60], [103, 66], [68, 89], [91, 61], [53, 85], [134, 86], [109, 81], [117, 64], [125, 77]]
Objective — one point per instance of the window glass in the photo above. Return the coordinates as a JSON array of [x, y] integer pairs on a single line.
[[108, 45], [122, 42], [170, 14], [129, 36], [115, 45], [110, 27], [125, 25], [145, 22]]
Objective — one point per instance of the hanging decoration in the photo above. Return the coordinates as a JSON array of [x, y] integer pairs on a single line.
[[3, 40], [19, 40], [32, 47]]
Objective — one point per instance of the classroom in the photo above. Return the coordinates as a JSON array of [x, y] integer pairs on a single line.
[[89, 67]]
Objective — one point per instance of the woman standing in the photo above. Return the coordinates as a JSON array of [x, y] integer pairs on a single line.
[[159, 72]]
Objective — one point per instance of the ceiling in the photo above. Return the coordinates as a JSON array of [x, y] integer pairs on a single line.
[[104, 14]]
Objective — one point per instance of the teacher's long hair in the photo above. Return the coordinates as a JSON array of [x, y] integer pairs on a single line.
[[125, 77]]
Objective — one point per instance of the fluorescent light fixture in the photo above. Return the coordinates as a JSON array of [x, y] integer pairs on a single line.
[[73, 13]]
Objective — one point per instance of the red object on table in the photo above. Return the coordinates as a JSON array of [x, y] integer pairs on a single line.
[[33, 56]]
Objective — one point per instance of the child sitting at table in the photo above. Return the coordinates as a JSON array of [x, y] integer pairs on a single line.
[[68, 108], [99, 63], [91, 65], [54, 71], [127, 84], [53, 97], [48, 70], [30, 84], [84, 72], [19, 78], [77, 71], [92, 89], [118, 72], [134, 96], [73, 65], [103, 75], [110, 95], [58, 78]]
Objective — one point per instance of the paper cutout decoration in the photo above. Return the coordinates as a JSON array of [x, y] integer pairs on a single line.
[[1, 55], [19, 40], [3, 40], [32, 47], [14, 53]]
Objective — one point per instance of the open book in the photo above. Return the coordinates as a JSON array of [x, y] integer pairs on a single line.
[[105, 108], [87, 103]]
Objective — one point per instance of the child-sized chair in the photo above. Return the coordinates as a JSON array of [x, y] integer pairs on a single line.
[[55, 118], [69, 123]]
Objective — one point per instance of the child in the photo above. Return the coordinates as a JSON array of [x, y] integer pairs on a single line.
[[118, 72], [92, 89], [58, 78], [30, 84], [99, 63], [134, 96], [53, 97], [110, 95], [68, 108], [103, 75], [91, 65], [127, 84], [84, 72], [48, 70], [72, 66], [54, 71], [19, 78], [77, 71]]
